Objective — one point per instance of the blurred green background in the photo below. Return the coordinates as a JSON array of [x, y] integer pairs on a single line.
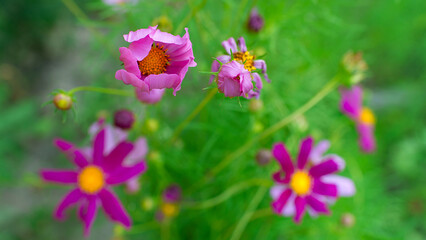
[[46, 45]]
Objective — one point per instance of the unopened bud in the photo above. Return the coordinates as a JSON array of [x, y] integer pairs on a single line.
[[62, 101], [263, 157], [255, 22], [151, 125], [147, 203], [124, 119], [172, 193]]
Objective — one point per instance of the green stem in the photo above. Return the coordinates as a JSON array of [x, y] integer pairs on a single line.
[[193, 114], [239, 229], [228, 194], [111, 91], [284, 122]]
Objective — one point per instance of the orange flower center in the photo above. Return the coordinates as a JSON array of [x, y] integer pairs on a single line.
[[91, 179], [300, 183], [245, 58], [155, 62], [367, 116]]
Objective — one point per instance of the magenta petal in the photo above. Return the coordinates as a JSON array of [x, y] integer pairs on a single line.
[[324, 168], [113, 208], [139, 34], [59, 176], [283, 157], [304, 151], [345, 186], [80, 159], [63, 145], [216, 65], [116, 157], [351, 102], [87, 214], [318, 151], [242, 44], [230, 45], [279, 204], [151, 97], [163, 80], [260, 64], [366, 140], [130, 62], [98, 147], [139, 50], [325, 189], [300, 204], [281, 177], [139, 152], [132, 79], [317, 205], [123, 174], [70, 199]]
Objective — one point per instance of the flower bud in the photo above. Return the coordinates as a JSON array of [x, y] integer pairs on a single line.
[[263, 157], [147, 203], [355, 66], [151, 125], [255, 22], [124, 119], [348, 220], [172, 193], [62, 101]]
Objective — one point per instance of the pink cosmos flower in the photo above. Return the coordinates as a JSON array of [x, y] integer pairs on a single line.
[[241, 55], [155, 59], [351, 105], [151, 97], [93, 179], [234, 80], [309, 184]]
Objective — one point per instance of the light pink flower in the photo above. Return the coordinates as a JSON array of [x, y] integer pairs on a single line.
[[234, 80], [155, 59], [150, 97]]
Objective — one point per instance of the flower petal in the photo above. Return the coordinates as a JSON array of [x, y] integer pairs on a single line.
[[151, 97], [327, 167], [139, 34], [138, 153], [116, 157], [283, 157], [318, 151], [242, 44], [215, 65], [278, 204], [281, 177], [63, 145], [290, 207], [70, 199], [300, 204], [345, 186], [276, 191], [133, 185], [351, 102], [139, 50], [59, 176], [123, 174], [98, 148], [366, 140], [163, 80], [260, 64], [230, 45], [132, 79], [317, 205], [113, 208], [325, 189], [304, 151], [87, 214], [68, 148], [130, 62]]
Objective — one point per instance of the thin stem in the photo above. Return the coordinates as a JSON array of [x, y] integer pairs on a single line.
[[239, 229], [193, 114], [228, 194], [284, 122], [111, 91]]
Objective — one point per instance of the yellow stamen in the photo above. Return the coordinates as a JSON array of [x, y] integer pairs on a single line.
[[169, 209], [91, 179], [245, 58], [300, 183], [367, 116], [155, 62]]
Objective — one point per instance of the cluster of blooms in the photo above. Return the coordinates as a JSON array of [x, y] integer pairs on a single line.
[[156, 60]]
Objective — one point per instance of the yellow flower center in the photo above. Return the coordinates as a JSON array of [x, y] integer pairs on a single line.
[[169, 209], [155, 62], [300, 183], [91, 179], [245, 58], [367, 116]]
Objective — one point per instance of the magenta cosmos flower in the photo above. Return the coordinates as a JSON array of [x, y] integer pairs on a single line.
[[234, 80], [242, 56], [155, 59], [310, 184], [93, 179], [351, 105]]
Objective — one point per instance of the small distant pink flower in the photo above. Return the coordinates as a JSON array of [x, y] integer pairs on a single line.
[[310, 184], [234, 80], [151, 97], [118, 2], [351, 105], [243, 57], [92, 180], [155, 59]]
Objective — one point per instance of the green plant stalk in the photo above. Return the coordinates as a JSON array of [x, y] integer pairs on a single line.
[[228, 194], [111, 91], [193, 114], [241, 225]]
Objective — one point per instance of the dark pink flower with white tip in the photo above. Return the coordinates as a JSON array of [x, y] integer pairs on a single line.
[[351, 105], [243, 57], [93, 178], [310, 184], [155, 59]]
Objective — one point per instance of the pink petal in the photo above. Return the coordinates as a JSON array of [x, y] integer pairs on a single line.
[[317, 205], [278, 204], [283, 157], [163, 80], [300, 204], [59, 176], [98, 148], [139, 34], [366, 140], [215, 65], [116, 157], [276, 191], [281, 177], [290, 207], [63, 145], [87, 214], [151, 97], [325, 189], [341, 164], [70, 199], [230, 45], [130, 61], [318, 151], [351, 102], [260, 64], [139, 50], [139, 152], [164, 37], [327, 167], [345, 186], [113, 208], [132, 79], [242, 44], [123, 174], [133, 185], [305, 150]]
